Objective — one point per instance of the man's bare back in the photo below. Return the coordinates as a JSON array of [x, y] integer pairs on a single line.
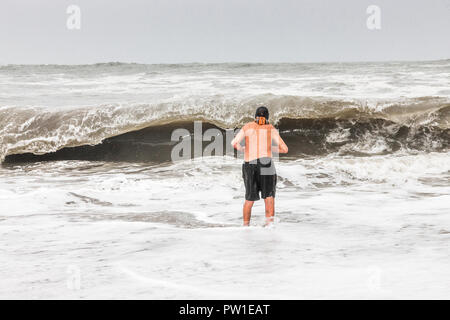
[[258, 141]]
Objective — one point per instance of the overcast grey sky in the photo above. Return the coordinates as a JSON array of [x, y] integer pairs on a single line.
[[172, 31]]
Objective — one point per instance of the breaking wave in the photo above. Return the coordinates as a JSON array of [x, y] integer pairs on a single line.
[[141, 132]]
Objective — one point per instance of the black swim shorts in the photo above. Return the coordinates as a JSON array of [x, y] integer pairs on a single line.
[[259, 176]]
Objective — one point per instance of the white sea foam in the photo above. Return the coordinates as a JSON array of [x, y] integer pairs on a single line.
[[348, 227]]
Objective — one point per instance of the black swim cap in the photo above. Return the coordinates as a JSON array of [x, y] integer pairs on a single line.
[[262, 112]]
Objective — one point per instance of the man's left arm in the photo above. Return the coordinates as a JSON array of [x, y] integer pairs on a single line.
[[236, 142]]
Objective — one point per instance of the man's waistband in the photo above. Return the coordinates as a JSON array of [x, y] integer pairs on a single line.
[[261, 161]]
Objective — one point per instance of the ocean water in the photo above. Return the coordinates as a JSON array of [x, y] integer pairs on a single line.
[[91, 205]]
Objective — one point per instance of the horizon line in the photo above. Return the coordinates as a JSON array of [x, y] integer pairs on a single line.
[[218, 63]]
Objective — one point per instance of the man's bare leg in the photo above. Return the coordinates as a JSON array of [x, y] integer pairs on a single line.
[[270, 209], [247, 212]]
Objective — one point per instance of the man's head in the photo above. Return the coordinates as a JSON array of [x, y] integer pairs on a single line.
[[260, 113]]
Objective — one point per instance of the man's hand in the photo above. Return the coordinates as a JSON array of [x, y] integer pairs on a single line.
[[238, 147]]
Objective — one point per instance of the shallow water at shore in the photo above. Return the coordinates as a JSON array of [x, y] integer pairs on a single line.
[[371, 227]]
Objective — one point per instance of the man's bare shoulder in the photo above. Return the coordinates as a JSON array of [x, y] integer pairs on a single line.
[[248, 125]]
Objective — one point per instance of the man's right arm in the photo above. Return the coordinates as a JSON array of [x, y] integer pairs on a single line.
[[282, 147]]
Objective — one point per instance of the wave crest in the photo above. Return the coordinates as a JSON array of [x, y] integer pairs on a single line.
[[38, 131]]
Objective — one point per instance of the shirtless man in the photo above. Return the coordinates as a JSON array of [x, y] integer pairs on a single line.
[[258, 169]]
